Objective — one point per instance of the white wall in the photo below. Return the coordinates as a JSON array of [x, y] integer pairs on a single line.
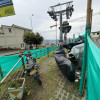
[[12, 39]]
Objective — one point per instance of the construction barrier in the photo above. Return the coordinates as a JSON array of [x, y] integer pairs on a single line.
[[90, 69], [7, 62]]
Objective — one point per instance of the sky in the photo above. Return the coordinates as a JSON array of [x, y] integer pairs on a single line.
[[42, 21]]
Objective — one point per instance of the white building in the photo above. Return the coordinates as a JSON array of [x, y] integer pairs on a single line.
[[95, 34], [12, 36]]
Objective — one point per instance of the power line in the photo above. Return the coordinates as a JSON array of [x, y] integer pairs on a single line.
[[47, 31], [83, 17], [74, 20]]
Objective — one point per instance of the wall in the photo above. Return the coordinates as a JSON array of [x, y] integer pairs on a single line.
[[13, 39], [95, 34]]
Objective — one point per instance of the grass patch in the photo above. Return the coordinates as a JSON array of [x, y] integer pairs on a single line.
[[70, 96], [72, 88], [51, 82], [42, 58], [64, 98], [8, 81], [16, 83], [52, 53]]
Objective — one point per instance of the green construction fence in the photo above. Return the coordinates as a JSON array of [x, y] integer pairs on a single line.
[[7, 62], [90, 69]]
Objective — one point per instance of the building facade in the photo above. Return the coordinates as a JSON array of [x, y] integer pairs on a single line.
[[95, 34], [12, 36]]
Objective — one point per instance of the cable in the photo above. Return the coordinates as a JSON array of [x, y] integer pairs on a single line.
[[74, 20], [84, 17], [47, 31]]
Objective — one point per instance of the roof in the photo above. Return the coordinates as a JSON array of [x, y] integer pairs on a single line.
[[17, 27], [95, 32], [21, 27]]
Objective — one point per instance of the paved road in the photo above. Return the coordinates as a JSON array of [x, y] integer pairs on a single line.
[[9, 52]]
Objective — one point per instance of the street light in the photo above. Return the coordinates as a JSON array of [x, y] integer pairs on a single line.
[[31, 22]]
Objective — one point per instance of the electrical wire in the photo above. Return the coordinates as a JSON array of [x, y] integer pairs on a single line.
[[72, 21], [83, 17]]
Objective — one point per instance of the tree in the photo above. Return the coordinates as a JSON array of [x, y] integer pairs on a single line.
[[31, 38], [38, 39]]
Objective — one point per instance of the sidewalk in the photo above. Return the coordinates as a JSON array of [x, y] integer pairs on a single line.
[[54, 87], [8, 52]]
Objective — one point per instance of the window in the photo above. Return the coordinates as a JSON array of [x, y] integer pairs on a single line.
[[9, 30], [98, 33], [2, 33], [25, 31], [22, 45]]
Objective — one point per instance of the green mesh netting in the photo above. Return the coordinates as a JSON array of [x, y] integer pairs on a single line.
[[7, 62], [84, 62], [79, 37], [91, 62], [76, 39], [93, 71]]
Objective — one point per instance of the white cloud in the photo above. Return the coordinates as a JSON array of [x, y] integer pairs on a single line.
[[42, 21]]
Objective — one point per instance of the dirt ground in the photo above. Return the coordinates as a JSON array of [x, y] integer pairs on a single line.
[[54, 85]]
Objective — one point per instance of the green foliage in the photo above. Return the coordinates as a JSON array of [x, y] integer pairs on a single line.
[[16, 83], [31, 38], [38, 39]]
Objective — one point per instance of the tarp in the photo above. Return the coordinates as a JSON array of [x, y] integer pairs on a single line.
[[7, 62], [93, 71], [91, 63], [70, 45], [79, 38], [65, 65], [76, 50]]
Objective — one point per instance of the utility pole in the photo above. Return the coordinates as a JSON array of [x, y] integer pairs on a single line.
[[61, 35], [88, 20], [73, 38], [88, 30], [56, 31], [65, 38], [31, 22]]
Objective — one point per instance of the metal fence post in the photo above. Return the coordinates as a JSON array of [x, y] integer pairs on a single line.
[[23, 63], [48, 51], [1, 72], [36, 55], [44, 53], [41, 53]]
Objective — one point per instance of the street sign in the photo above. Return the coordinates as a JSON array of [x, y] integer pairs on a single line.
[[6, 8], [5, 3]]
